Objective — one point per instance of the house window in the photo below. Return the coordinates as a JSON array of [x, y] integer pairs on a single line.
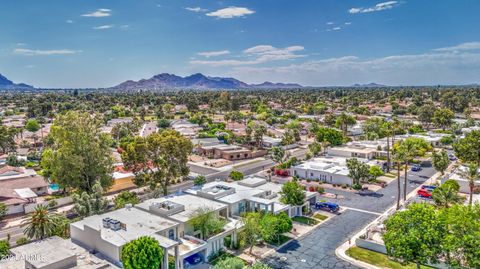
[[171, 234], [311, 174]]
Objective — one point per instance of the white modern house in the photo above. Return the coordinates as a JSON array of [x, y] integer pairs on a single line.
[[53, 253], [251, 194], [108, 233], [182, 208], [332, 170]]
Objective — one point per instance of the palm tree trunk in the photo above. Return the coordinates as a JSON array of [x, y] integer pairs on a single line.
[[472, 186], [388, 154], [405, 182], [398, 185]]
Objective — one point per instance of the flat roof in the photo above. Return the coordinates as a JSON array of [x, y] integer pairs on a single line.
[[138, 223], [192, 204], [54, 249]]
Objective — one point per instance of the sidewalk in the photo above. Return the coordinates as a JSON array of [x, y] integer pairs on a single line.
[[341, 250]]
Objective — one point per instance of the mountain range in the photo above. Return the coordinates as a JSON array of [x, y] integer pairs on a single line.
[[196, 81], [7, 84]]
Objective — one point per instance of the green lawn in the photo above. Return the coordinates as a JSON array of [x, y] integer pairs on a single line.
[[280, 241], [305, 220], [378, 259], [222, 256], [320, 217]]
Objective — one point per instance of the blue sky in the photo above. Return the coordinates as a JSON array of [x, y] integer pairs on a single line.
[[100, 43]]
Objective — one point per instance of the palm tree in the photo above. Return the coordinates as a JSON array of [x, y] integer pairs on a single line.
[[40, 224], [445, 196], [472, 175], [398, 156]]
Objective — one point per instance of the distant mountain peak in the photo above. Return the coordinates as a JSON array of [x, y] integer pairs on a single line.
[[5, 83], [195, 81], [371, 85]]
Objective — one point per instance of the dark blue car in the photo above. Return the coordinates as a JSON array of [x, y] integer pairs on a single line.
[[193, 260], [327, 206], [416, 168]]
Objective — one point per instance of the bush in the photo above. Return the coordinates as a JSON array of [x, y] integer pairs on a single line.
[[52, 203], [199, 181], [320, 190], [4, 248], [22, 241], [356, 186], [236, 175], [344, 186]]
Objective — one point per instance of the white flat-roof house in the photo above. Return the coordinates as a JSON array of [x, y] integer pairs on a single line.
[[332, 170], [182, 208], [108, 233], [360, 149], [53, 253], [251, 194]]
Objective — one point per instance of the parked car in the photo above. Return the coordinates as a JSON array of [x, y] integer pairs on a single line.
[[424, 193], [416, 168], [428, 187], [452, 157], [193, 260], [327, 206]]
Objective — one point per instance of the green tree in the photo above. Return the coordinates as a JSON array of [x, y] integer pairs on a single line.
[[90, 204], [33, 126], [61, 226], [414, 235], [463, 236], [426, 114], [199, 180], [4, 249], [332, 136], [251, 232], [375, 172], [472, 175], [80, 155], [207, 222], [3, 210], [259, 265], [158, 159], [292, 194], [273, 226], [144, 252], [358, 171], [277, 154], [40, 223], [468, 149], [126, 197], [343, 121], [315, 148], [443, 117], [236, 175], [7, 139], [440, 161], [447, 194]]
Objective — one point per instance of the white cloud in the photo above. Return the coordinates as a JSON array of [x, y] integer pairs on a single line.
[[348, 23], [103, 27], [30, 52], [69, 21], [461, 47], [377, 7], [196, 9], [336, 28], [209, 54], [230, 12], [102, 12], [329, 23], [257, 55], [430, 68]]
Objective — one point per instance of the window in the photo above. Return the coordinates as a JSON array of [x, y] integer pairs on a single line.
[[171, 234]]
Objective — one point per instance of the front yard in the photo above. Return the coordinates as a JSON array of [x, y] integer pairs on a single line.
[[378, 259]]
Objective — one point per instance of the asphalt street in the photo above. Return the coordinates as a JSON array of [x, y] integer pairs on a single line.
[[317, 249]]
